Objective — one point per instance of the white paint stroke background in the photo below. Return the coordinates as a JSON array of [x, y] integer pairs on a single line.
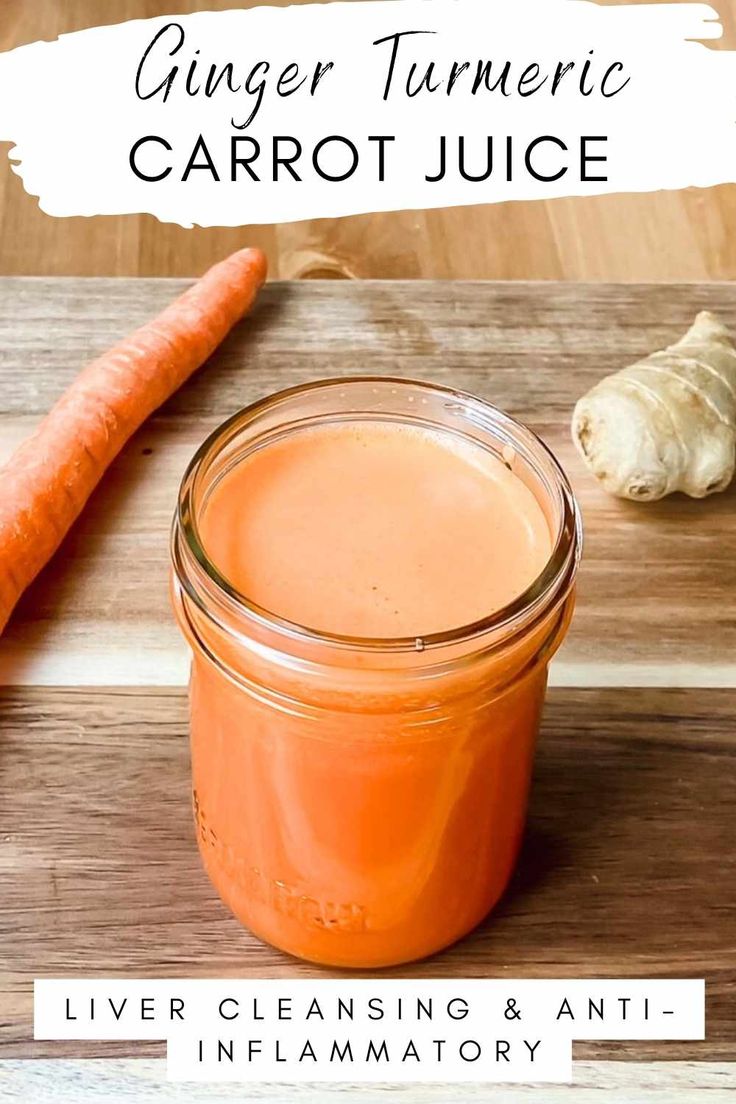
[[70, 107]]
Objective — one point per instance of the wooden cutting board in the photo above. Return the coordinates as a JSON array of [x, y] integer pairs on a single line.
[[629, 867]]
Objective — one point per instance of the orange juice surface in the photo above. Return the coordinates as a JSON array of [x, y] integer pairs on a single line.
[[376, 529], [359, 805]]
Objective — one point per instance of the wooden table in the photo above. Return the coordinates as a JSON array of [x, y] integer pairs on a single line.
[[629, 866]]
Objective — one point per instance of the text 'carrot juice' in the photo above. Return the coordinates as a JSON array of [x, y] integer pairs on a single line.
[[373, 575]]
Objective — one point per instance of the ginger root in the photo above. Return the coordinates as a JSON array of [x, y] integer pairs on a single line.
[[667, 423]]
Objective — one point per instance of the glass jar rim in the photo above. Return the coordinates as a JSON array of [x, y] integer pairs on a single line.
[[555, 580]]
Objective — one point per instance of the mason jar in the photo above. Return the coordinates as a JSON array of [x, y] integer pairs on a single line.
[[360, 802]]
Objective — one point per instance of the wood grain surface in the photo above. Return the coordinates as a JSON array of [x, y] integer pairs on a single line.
[[143, 1082], [686, 235], [656, 596], [628, 868]]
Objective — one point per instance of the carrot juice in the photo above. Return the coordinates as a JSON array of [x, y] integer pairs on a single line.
[[373, 575]]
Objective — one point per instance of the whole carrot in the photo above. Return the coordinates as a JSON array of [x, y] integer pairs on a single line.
[[50, 476]]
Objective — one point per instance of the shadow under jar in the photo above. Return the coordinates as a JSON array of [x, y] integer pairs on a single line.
[[360, 801]]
